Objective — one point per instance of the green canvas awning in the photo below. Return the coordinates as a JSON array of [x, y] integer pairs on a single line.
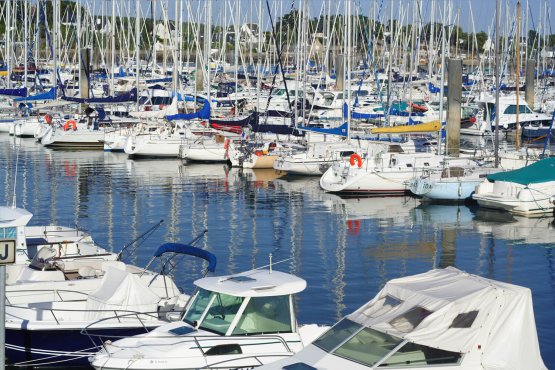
[[540, 171]]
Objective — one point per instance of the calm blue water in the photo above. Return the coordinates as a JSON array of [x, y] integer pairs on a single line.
[[345, 248]]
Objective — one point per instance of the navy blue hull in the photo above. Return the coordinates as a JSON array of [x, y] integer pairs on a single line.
[[59, 347]]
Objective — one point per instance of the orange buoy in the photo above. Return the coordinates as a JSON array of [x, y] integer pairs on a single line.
[[70, 124], [48, 118], [355, 158]]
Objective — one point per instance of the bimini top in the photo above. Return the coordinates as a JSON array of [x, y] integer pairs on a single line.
[[13, 217], [538, 172], [254, 283], [459, 312]]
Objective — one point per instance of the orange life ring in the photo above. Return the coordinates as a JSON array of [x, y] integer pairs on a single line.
[[226, 143], [355, 157], [48, 118], [70, 124]]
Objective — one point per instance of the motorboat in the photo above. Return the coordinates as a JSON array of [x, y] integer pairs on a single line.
[[526, 191], [452, 183], [63, 323], [236, 321], [440, 319], [65, 246]]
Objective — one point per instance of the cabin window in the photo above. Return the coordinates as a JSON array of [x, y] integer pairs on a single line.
[[464, 320], [368, 346], [223, 309], [197, 308], [339, 96], [511, 109], [409, 320], [265, 315], [409, 165], [337, 335], [415, 354], [8, 233]]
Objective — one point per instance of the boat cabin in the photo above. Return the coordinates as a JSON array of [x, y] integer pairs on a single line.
[[254, 302]]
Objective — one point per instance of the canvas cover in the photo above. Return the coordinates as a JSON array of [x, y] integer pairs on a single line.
[[504, 328], [540, 171], [122, 291]]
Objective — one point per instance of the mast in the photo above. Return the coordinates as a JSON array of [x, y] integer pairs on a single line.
[[25, 44], [496, 66], [442, 73], [8, 39], [113, 42], [517, 73], [348, 52], [137, 49]]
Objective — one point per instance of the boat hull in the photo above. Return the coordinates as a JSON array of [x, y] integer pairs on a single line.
[[59, 347]]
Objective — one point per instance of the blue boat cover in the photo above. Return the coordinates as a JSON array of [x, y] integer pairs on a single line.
[[190, 250], [204, 113], [49, 95], [341, 130], [14, 92], [538, 172]]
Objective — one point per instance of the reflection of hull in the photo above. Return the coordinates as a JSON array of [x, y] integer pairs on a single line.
[[398, 209], [525, 230]]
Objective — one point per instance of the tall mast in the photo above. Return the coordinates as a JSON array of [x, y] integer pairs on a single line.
[[113, 42], [496, 66], [8, 41], [137, 47], [25, 32], [517, 74]]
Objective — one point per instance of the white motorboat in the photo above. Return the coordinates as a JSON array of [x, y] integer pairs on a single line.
[[451, 183], [65, 246], [44, 325], [526, 191], [441, 319], [236, 321]]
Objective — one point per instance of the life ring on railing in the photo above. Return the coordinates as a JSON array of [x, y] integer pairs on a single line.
[[418, 108], [70, 124], [355, 157], [48, 119]]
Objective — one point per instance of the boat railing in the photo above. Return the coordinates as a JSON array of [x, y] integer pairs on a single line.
[[60, 315], [200, 341], [56, 293]]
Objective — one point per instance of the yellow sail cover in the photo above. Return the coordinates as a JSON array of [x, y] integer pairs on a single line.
[[432, 126]]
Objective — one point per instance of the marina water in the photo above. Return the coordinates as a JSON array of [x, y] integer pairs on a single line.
[[346, 249]]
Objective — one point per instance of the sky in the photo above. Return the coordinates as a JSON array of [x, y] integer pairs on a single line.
[[463, 12]]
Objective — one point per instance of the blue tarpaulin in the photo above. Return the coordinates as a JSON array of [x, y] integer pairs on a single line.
[[341, 130], [49, 95], [204, 113], [14, 92], [127, 97]]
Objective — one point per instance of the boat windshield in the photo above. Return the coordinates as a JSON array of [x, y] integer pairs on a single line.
[[366, 346], [217, 311]]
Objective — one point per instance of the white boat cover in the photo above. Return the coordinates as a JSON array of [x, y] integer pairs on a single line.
[[168, 111], [121, 291], [504, 328]]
